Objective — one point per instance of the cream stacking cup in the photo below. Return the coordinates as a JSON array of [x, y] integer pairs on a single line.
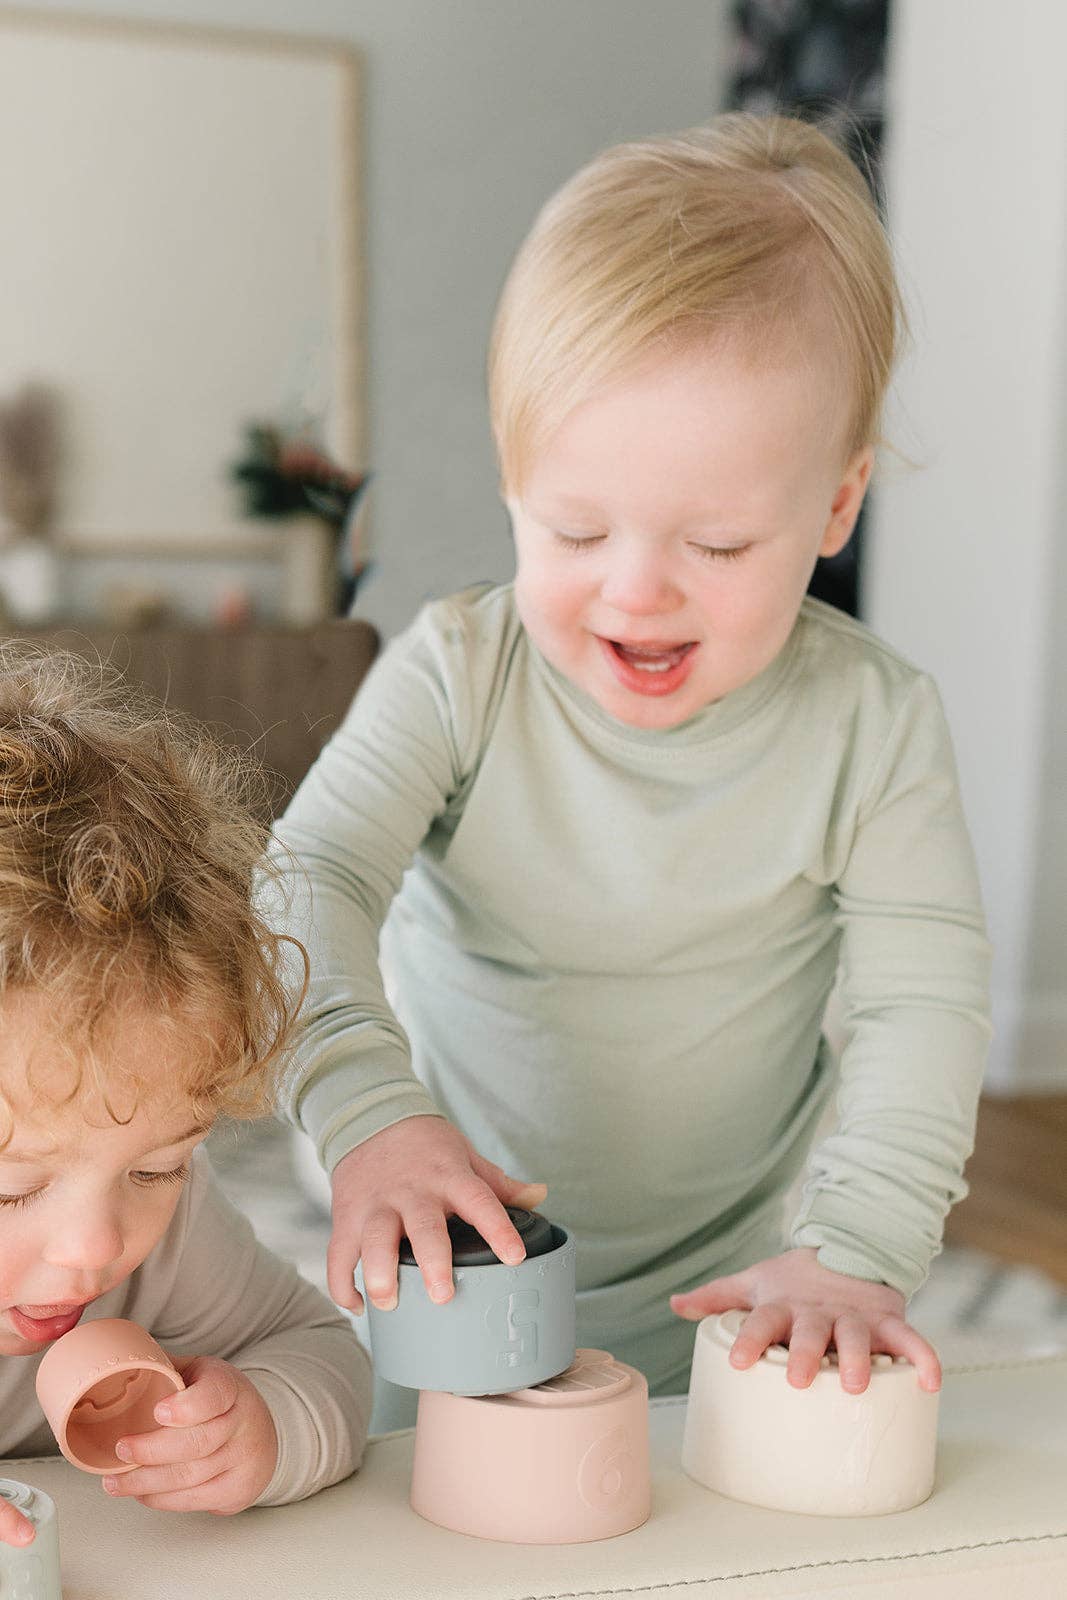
[[505, 1327], [31, 1570], [751, 1436], [560, 1463], [98, 1382]]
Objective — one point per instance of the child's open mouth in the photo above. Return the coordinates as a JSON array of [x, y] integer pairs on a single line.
[[656, 669], [49, 1322]]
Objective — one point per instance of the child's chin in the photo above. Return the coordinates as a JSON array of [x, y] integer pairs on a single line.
[[668, 711], [11, 1344]]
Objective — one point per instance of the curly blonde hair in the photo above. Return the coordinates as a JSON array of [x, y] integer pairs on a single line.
[[128, 854], [755, 228]]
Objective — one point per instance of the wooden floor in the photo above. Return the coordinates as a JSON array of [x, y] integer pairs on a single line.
[[1017, 1207]]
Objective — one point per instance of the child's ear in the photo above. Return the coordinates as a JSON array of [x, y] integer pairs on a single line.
[[845, 507]]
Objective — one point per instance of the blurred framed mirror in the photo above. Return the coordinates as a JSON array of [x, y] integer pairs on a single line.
[[180, 238]]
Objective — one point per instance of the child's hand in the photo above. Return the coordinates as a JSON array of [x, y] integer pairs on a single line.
[[14, 1527], [795, 1301], [407, 1180], [216, 1451]]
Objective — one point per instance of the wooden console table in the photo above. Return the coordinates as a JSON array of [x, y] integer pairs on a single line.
[[280, 691]]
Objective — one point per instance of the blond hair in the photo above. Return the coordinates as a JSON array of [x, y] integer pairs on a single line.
[[128, 848], [748, 225]]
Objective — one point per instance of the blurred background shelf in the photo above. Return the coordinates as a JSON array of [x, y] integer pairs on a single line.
[[278, 691]]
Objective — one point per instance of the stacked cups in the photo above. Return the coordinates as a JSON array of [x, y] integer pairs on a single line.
[[519, 1437]]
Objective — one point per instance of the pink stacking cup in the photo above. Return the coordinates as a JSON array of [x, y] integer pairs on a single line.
[[564, 1462], [100, 1381]]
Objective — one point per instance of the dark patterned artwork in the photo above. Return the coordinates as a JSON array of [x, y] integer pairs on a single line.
[[825, 60]]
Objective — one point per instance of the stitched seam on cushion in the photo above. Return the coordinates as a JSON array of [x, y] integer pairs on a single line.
[[1018, 1364], [804, 1566], [766, 1572]]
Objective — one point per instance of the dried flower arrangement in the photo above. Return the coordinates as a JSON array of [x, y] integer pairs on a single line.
[[282, 476], [31, 458]]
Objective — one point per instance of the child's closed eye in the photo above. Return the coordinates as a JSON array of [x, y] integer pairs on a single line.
[[174, 1175], [725, 552], [146, 1180], [574, 541]]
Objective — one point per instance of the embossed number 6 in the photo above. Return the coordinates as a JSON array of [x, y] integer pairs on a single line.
[[606, 1469]]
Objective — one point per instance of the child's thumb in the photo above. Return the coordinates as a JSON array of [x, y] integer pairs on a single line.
[[721, 1294]]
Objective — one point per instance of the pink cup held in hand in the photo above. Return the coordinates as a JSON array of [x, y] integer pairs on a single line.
[[564, 1462], [99, 1382]]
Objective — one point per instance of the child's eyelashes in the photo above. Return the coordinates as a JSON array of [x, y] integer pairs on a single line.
[[150, 1179], [574, 541], [145, 1180], [726, 552], [708, 552]]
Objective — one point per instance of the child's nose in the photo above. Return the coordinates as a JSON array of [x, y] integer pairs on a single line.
[[640, 584], [88, 1243]]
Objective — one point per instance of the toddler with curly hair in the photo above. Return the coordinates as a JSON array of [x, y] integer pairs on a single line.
[[141, 998]]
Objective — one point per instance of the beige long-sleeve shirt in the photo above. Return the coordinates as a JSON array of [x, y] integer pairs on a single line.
[[210, 1288], [611, 950]]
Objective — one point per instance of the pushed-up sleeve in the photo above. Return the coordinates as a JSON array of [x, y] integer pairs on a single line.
[[915, 986], [336, 861]]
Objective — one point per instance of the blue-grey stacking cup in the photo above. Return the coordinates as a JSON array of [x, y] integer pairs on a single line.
[[31, 1572], [505, 1328]]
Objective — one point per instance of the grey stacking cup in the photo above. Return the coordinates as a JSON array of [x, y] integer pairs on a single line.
[[505, 1328], [31, 1572]]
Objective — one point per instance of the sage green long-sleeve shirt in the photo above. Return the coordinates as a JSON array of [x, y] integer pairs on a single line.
[[611, 950]]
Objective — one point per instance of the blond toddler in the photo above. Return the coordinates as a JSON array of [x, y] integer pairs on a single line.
[[620, 825]]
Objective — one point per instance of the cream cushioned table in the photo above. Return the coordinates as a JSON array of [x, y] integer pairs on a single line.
[[996, 1526]]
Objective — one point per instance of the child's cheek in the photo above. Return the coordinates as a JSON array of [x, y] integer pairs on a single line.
[[148, 1225], [550, 598], [17, 1259]]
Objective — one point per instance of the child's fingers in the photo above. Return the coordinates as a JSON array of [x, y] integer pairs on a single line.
[[380, 1249], [428, 1237], [852, 1341], [222, 1494], [527, 1195], [166, 1445], [512, 1191], [211, 1389], [897, 1338], [808, 1339], [767, 1325], [342, 1253], [15, 1529], [178, 1477], [721, 1294], [475, 1202]]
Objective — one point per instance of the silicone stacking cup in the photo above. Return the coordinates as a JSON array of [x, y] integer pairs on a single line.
[[505, 1328], [564, 1462], [751, 1436], [100, 1381], [31, 1572]]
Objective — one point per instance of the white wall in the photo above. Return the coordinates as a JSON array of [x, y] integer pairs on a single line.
[[475, 111], [967, 572]]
